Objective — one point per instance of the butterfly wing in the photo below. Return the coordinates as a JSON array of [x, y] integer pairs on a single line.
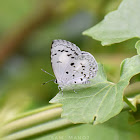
[[61, 54], [80, 69], [70, 64]]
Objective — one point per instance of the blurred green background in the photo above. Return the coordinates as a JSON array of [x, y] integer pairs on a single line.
[[27, 29]]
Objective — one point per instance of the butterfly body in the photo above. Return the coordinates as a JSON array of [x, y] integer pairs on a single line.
[[71, 65]]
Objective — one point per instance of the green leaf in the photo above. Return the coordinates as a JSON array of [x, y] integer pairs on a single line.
[[130, 67], [99, 101], [96, 103], [119, 25], [137, 46]]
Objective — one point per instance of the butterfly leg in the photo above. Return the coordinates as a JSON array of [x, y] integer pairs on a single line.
[[62, 92], [86, 82], [60, 89]]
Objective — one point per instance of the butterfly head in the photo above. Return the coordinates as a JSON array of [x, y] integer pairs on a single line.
[[55, 81], [59, 83]]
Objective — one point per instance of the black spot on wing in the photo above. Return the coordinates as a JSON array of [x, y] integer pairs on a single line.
[[75, 53], [59, 62], [72, 49], [67, 72], [72, 64], [54, 54], [69, 54], [52, 42]]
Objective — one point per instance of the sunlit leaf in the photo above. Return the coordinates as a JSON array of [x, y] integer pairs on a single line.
[[99, 101], [130, 67], [91, 104], [118, 25], [137, 46]]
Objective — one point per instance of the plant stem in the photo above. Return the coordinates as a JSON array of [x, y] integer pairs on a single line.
[[134, 109], [40, 129], [41, 121]]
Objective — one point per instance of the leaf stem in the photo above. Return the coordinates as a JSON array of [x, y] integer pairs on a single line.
[[134, 109], [41, 129], [37, 122], [40, 122]]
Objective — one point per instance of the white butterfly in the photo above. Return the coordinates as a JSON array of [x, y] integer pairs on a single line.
[[71, 65]]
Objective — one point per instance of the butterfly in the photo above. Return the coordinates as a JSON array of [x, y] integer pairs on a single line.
[[71, 65]]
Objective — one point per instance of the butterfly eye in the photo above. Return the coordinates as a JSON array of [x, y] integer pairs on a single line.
[[55, 81]]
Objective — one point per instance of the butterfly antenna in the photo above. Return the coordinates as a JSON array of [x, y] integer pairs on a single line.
[[47, 73], [48, 81]]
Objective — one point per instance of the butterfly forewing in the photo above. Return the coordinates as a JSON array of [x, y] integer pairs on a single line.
[[61, 54]]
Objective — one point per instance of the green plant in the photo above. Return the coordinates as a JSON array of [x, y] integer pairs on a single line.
[[97, 102]]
